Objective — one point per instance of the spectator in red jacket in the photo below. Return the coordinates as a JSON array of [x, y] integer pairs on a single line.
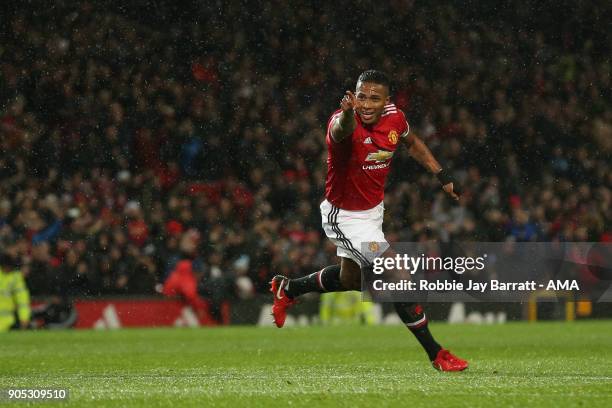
[[183, 282]]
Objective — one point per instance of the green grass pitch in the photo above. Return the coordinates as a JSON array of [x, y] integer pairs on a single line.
[[515, 364]]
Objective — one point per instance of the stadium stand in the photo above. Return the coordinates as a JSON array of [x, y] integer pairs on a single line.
[[123, 133]]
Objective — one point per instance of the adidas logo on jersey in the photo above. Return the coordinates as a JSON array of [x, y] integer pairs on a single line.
[[368, 140]]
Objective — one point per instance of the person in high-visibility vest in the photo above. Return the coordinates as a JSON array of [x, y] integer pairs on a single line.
[[14, 296], [345, 307]]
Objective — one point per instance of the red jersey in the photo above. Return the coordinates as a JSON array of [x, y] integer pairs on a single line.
[[357, 167]]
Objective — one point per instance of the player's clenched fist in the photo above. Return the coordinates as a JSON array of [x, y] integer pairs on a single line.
[[349, 101]]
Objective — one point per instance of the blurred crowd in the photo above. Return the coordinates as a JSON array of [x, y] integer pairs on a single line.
[[130, 142]]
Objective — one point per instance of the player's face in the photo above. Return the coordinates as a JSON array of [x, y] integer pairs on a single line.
[[371, 101]]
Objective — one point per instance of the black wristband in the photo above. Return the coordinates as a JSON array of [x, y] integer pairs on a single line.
[[444, 178]]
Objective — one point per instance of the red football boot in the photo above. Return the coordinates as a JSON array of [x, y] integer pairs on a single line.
[[281, 301], [446, 361]]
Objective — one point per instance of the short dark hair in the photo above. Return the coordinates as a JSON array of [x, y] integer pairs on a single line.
[[375, 76]]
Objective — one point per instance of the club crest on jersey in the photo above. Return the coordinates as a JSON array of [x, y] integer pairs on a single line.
[[373, 246], [379, 156], [393, 137]]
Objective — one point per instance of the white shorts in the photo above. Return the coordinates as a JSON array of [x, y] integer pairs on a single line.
[[357, 234]]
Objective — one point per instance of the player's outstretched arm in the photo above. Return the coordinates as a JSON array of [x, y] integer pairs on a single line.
[[421, 153], [346, 123]]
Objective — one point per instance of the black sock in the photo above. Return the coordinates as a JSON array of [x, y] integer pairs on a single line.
[[414, 318], [325, 280]]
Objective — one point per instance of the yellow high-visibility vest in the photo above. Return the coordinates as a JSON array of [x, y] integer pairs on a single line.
[[345, 307], [14, 297]]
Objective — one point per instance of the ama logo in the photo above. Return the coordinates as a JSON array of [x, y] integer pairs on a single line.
[[562, 285]]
